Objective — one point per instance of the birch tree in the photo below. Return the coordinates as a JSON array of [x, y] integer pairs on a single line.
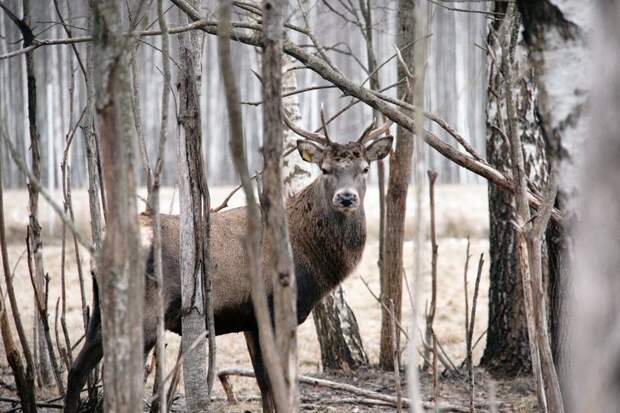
[[121, 259], [557, 36], [594, 307], [507, 349], [553, 45]]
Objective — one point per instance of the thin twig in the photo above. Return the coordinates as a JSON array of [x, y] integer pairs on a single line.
[[432, 178], [39, 188], [470, 334]]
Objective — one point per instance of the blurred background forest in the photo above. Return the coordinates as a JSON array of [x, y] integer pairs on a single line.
[[455, 86]]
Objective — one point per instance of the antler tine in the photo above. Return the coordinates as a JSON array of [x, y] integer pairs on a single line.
[[368, 129], [323, 122], [371, 133], [315, 137]]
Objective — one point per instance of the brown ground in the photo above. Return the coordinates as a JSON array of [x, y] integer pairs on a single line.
[[461, 211]]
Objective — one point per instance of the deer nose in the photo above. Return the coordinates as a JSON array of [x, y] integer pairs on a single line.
[[346, 198]]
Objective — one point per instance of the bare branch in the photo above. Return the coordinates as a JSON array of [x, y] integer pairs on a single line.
[[37, 185]]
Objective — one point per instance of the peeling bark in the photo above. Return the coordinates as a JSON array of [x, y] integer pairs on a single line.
[[556, 33], [507, 350]]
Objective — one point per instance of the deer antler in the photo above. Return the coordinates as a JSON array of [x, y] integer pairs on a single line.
[[371, 132], [312, 136], [323, 123]]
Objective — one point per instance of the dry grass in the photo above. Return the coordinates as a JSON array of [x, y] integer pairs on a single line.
[[461, 211]]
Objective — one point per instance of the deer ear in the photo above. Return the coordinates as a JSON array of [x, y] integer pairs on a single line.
[[379, 148], [309, 151]]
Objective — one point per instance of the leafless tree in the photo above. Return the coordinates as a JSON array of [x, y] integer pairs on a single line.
[[396, 199], [193, 240], [275, 216], [41, 351], [265, 336], [24, 376], [122, 256]]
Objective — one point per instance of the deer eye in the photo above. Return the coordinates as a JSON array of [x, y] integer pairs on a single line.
[[366, 170]]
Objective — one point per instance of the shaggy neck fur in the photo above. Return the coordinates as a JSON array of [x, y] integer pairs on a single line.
[[330, 243]]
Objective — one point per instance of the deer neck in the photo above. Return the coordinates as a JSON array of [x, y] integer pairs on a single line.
[[328, 244]]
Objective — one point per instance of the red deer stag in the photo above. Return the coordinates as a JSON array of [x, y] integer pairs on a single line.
[[327, 231]]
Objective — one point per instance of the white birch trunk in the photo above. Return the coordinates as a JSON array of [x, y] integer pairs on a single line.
[[594, 306], [559, 55], [296, 173]]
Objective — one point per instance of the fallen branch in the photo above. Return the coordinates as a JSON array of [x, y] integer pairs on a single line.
[[367, 394]]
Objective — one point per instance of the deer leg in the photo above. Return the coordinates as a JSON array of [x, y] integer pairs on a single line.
[[90, 355], [251, 338]]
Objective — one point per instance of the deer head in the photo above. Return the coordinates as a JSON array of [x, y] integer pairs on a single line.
[[344, 167]]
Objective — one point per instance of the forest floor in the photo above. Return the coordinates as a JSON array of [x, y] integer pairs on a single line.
[[461, 213]]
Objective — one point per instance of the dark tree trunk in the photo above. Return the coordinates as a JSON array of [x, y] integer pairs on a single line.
[[507, 351], [400, 174], [341, 346]]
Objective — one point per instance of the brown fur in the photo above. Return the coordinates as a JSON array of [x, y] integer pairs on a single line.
[[327, 244]]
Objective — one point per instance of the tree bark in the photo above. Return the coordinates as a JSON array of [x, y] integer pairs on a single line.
[[121, 263], [556, 34], [194, 225], [396, 203], [336, 325], [552, 128], [272, 198], [507, 350], [153, 182], [594, 306]]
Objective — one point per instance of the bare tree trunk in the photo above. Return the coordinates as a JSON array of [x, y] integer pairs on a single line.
[[271, 363], [194, 224], [529, 232], [556, 34], [420, 62], [336, 325], [153, 182], [24, 379], [396, 202], [272, 198], [121, 264], [42, 359], [594, 306], [507, 350]]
